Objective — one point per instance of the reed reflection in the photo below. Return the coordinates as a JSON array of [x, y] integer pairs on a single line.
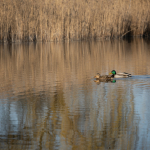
[[49, 100]]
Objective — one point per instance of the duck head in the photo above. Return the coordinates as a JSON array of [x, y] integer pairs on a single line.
[[113, 72], [97, 76]]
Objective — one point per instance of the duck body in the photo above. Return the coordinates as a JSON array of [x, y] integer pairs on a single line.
[[120, 75], [103, 77]]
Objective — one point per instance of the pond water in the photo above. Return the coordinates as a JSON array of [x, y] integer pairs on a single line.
[[50, 100]]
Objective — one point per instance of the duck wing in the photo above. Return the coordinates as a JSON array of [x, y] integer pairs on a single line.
[[106, 77], [128, 74], [124, 74]]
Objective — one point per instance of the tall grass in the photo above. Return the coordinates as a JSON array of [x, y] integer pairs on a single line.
[[56, 20]]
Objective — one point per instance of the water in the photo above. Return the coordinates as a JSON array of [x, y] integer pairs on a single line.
[[50, 100]]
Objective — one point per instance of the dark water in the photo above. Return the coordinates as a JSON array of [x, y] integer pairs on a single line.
[[49, 99]]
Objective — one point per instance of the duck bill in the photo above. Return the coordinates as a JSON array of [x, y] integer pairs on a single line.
[[110, 73]]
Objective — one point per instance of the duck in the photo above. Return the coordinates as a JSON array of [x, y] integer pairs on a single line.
[[119, 75], [103, 77]]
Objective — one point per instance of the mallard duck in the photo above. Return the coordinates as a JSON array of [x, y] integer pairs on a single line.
[[106, 77], [120, 75]]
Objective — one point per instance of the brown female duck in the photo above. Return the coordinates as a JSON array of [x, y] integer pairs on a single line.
[[102, 77]]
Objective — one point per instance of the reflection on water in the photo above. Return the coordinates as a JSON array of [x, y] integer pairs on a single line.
[[49, 100], [106, 81]]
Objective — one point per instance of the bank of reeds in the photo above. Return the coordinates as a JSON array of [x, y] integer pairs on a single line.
[[56, 20]]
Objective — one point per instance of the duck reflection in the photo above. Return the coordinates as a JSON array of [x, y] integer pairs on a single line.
[[98, 81]]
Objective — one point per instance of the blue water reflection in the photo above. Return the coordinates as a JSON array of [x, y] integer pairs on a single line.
[[49, 99]]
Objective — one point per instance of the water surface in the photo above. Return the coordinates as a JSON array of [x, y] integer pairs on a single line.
[[50, 100]]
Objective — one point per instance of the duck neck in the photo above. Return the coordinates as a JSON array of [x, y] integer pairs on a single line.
[[113, 75]]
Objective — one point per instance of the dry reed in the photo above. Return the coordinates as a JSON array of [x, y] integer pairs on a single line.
[[47, 20]]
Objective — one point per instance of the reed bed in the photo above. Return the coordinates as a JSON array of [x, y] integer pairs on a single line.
[[57, 20]]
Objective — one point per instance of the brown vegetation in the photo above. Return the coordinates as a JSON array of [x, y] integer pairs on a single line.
[[56, 20]]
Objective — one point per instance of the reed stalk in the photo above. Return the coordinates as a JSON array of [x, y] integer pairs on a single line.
[[58, 20]]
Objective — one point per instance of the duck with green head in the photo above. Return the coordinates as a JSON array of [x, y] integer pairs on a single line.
[[120, 75]]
